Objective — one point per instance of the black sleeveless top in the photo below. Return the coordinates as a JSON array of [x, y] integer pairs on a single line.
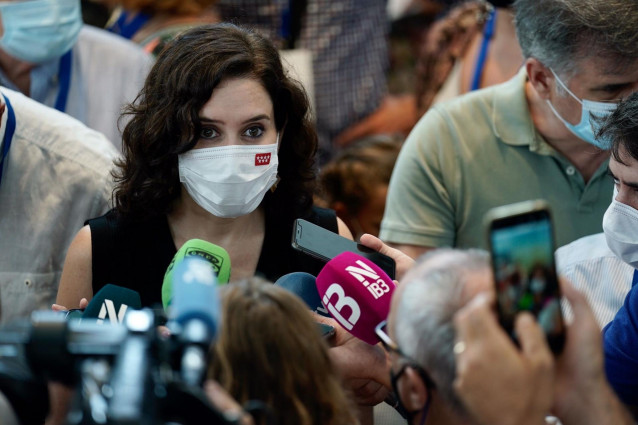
[[136, 254]]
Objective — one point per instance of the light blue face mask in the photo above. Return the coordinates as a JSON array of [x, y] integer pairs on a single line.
[[37, 31], [590, 119]]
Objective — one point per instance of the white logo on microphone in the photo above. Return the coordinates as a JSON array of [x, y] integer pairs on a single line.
[[377, 288], [108, 310], [342, 301]]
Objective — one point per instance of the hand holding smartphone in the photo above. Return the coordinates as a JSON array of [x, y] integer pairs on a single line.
[[325, 245], [521, 241]]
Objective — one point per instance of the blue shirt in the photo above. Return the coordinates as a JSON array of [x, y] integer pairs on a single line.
[[620, 339]]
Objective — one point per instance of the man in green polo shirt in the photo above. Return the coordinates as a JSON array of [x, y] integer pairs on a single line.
[[528, 138]]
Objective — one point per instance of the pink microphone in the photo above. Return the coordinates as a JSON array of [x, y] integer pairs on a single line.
[[357, 294]]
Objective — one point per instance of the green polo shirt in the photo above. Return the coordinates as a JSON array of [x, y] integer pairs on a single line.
[[477, 152]]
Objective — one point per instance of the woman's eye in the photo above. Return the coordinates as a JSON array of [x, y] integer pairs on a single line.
[[208, 133], [254, 132]]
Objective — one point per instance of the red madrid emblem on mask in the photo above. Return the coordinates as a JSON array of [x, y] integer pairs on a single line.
[[262, 159]]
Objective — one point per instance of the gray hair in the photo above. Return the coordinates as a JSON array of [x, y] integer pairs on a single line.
[[424, 327], [560, 32]]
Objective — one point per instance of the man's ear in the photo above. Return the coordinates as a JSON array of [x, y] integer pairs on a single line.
[[540, 77], [412, 390]]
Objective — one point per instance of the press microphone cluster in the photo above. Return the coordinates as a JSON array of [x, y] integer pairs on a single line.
[[351, 289], [129, 356]]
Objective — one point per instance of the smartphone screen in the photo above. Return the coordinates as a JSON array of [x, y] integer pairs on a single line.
[[522, 248], [325, 245]]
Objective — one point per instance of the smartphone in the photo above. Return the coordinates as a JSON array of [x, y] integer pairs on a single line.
[[325, 245], [521, 241]]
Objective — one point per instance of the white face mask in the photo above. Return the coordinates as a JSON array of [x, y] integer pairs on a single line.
[[620, 224], [229, 181]]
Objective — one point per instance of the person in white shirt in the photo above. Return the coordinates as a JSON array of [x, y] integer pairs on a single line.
[[598, 273], [54, 175]]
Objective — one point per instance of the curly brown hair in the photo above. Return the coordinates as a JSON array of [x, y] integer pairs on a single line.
[[172, 7], [165, 120]]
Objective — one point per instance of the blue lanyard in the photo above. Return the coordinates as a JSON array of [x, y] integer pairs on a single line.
[[64, 76], [634, 280], [8, 134], [128, 29], [285, 30], [488, 32]]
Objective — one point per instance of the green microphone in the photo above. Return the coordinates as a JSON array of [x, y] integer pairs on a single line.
[[214, 255]]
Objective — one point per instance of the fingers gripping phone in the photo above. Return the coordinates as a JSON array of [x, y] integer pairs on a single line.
[[521, 241], [325, 245]]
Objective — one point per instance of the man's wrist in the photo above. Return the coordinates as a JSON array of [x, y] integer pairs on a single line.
[[603, 407]]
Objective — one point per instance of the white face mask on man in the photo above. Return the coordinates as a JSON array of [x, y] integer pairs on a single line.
[[229, 181], [620, 224]]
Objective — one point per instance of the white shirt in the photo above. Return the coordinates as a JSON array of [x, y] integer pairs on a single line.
[[107, 72], [595, 271], [56, 176]]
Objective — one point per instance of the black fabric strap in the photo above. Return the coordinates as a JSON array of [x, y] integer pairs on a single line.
[[101, 247]]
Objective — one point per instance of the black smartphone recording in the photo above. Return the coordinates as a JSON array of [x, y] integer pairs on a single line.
[[325, 245], [521, 242]]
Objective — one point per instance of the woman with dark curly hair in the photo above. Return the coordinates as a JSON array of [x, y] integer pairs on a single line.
[[219, 147]]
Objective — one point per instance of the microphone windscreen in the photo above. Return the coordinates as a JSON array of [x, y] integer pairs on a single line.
[[357, 294], [195, 293], [216, 256], [304, 285], [111, 303]]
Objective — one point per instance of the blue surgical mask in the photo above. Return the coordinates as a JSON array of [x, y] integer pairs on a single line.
[[593, 113], [37, 31]]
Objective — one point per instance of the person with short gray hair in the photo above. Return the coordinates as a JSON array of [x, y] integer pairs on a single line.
[[421, 324], [531, 137]]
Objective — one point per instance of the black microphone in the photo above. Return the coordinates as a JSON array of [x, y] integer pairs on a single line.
[[304, 285], [111, 303]]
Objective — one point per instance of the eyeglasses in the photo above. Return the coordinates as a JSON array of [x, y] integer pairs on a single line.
[[381, 331]]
